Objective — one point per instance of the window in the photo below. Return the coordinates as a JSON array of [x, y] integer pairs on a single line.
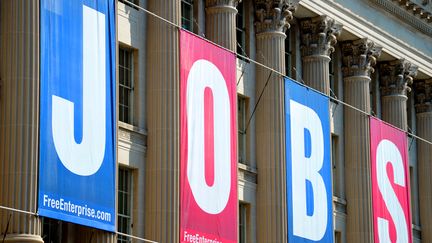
[[412, 194], [242, 120], [241, 29], [243, 219], [187, 14], [52, 230], [125, 85], [127, 2], [288, 54], [333, 84], [335, 165], [125, 197], [338, 237]]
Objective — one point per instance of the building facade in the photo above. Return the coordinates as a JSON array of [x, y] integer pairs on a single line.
[[371, 56]]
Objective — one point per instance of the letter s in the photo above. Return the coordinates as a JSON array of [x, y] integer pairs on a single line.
[[387, 152], [85, 158]]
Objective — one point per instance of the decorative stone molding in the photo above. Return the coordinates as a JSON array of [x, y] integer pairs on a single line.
[[133, 137], [423, 95], [359, 26], [318, 35], [273, 15], [359, 57], [396, 76], [417, 15], [221, 3], [245, 173]]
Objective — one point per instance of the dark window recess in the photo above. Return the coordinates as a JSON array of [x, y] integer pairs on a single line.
[[125, 196], [187, 14], [125, 85], [128, 3], [241, 30]]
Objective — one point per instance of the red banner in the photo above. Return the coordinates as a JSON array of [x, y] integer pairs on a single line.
[[208, 177], [390, 183]]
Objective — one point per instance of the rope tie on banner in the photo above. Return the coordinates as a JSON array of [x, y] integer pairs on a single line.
[[238, 81], [259, 99], [412, 139], [197, 25], [7, 228], [244, 67], [91, 236], [297, 76]]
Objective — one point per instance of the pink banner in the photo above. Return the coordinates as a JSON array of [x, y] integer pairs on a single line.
[[390, 183], [208, 177]]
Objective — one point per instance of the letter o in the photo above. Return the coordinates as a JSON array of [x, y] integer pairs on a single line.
[[212, 199]]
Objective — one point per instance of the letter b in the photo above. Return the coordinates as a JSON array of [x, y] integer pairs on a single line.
[[307, 169]]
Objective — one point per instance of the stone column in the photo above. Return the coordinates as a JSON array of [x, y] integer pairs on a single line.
[[395, 76], [271, 23], [358, 58], [318, 36], [162, 162], [19, 119], [221, 22], [423, 98]]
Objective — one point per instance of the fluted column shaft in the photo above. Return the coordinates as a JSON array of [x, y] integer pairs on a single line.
[[271, 24], [19, 118], [162, 162], [316, 72], [394, 110], [358, 58], [318, 36], [357, 160], [221, 22], [270, 134], [424, 158], [395, 76], [423, 105]]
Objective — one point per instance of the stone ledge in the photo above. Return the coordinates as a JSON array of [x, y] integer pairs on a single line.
[[247, 173], [340, 205], [132, 134]]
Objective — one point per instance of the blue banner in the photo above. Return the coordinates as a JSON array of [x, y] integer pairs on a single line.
[[309, 190], [77, 112]]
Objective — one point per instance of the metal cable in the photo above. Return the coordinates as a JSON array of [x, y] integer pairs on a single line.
[[269, 68], [37, 215]]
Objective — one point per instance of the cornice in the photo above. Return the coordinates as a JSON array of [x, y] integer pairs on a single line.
[[410, 12], [362, 28]]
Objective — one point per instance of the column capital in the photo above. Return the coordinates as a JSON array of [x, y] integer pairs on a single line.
[[423, 95], [273, 15], [221, 3], [396, 76], [318, 35], [359, 57]]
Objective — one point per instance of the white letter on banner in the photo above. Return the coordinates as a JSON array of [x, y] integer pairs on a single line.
[[307, 169], [85, 158], [387, 152], [212, 199]]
